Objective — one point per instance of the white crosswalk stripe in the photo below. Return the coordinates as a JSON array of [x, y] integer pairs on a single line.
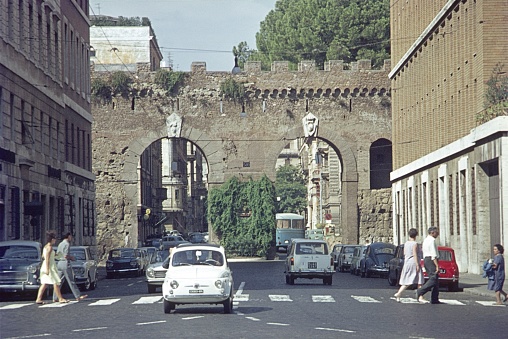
[[365, 299], [282, 297], [14, 306], [323, 299], [104, 302], [148, 300], [489, 303]]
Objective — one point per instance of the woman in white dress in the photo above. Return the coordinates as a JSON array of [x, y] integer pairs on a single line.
[[49, 273], [411, 271]]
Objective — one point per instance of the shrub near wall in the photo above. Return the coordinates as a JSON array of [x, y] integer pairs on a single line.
[[242, 215]]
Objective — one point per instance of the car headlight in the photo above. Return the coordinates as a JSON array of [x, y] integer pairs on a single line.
[[134, 263], [109, 264], [150, 272], [174, 284], [32, 268], [218, 283], [225, 274]]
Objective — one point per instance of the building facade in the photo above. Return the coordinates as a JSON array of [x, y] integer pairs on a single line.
[[120, 48], [46, 180], [448, 166]]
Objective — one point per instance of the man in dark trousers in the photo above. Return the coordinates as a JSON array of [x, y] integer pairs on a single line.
[[431, 263], [64, 267]]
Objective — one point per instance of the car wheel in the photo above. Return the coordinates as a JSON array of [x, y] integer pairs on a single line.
[[88, 283], [228, 305], [357, 271], [94, 283], [291, 280], [391, 281], [368, 274], [151, 288], [168, 306], [287, 279], [453, 287], [362, 273]]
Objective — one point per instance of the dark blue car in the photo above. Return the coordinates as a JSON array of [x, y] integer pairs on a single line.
[[377, 257]]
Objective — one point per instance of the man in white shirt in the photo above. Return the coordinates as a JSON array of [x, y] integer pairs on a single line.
[[64, 267], [431, 263]]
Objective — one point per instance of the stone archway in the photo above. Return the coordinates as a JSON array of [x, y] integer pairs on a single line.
[[234, 144]]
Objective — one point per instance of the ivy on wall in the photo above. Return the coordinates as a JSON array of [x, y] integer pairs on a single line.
[[242, 215]]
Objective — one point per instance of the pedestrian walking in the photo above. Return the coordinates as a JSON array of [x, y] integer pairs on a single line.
[[431, 264], [499, 272], [411, 271], [49, 273], [64, 259]]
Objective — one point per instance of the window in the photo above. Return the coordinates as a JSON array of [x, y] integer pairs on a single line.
[[380, 164]]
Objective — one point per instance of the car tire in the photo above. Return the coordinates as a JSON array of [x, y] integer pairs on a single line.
[[453, 286], [93, 286], [391, 281], [368, 274], [228, 305], [327, 281], [362, 273], [151, 288], [291, 280], [168, 306], [287, 279], [88, 283]]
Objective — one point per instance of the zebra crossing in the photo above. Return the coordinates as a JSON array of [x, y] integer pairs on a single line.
[[240, 298]]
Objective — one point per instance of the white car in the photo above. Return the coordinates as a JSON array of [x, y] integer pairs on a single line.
[[198, 274], [308, 258], [156, 271], [84, 267]]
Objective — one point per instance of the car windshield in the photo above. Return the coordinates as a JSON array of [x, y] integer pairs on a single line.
[[18, 252], [383, 250], [78, 253], [311, 248], [121, 254], [160, 256], [349, 250], [445, 255], [198, 257]]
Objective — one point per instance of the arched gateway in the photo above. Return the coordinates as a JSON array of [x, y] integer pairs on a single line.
[[352, 107]]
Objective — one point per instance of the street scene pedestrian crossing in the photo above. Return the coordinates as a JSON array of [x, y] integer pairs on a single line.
[[243, 298]]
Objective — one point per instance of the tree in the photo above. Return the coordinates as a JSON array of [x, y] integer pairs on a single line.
[[291, 189], [322, 30]]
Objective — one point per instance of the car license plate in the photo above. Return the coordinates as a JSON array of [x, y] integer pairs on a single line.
[[312, 265], [442, 270], [195, 291]]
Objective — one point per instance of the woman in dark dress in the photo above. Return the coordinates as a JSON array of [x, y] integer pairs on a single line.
[[499, 274]]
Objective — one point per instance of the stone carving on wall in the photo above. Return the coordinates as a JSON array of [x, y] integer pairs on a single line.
[[310, 125], [174, 125]]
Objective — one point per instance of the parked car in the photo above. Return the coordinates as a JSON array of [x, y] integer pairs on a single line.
[[198, 274], [317, 234], [170, 241], [395, 266], [357, 258], [84, 268], [335, 254], [156, 271], [122, 261], [144, 259], [20, 262], [197, 238], [376, 260], [309, 259], [345, 256], [448, 269]]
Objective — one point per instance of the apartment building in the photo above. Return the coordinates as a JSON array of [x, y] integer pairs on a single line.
[[448, 163], [46, 179]]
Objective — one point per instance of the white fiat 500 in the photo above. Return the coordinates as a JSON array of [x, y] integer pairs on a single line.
[[198, 274]]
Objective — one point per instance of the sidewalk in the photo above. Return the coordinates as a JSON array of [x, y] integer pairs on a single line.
[[475, 284]]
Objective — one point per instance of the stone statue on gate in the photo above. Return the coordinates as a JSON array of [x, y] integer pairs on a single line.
[[174, 125]]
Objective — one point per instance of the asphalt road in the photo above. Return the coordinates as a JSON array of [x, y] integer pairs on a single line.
[[265, 306]]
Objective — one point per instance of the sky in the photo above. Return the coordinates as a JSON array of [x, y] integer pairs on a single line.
[[195, 30]]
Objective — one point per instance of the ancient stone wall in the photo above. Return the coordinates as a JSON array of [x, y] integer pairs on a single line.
[[352, 103]]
